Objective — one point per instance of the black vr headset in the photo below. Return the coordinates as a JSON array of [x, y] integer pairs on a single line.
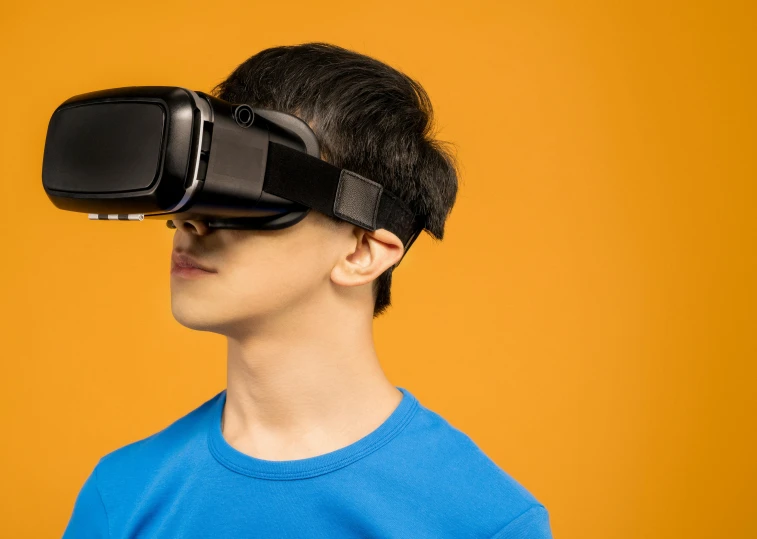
[[163, 151]]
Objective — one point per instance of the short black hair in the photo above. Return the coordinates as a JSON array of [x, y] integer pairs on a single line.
[[368, 117]]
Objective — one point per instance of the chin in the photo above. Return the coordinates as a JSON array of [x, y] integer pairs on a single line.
[[213, 316], [196, 321], [195, 314]]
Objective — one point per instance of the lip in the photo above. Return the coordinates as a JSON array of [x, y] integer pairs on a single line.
[[183, 260]]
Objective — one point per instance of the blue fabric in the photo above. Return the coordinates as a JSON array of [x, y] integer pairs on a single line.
[[415, 476]]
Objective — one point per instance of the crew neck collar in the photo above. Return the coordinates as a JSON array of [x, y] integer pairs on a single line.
[[245, 464]]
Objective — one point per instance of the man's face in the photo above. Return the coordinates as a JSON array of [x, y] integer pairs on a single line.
[[258, 273]]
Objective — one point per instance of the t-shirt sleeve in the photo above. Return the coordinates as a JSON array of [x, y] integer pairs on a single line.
[[532, 524], [88, 519]]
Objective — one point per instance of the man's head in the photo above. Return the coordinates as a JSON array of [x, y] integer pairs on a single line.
[[369, 118]]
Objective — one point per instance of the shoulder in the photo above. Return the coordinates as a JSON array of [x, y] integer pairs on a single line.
[[465, 460], [143, 458], [472, 482]]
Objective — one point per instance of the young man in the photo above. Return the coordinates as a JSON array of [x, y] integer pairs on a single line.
[[310, 439]]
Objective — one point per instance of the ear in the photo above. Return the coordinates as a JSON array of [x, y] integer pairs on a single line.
[[372, 254]]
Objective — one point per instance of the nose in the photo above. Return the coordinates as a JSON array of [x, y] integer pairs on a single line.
[[198, 228]]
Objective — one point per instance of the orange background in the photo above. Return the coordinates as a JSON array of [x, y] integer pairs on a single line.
[[589, 319]]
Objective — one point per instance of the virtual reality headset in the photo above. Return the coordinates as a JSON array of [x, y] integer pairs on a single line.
[[162, 152]]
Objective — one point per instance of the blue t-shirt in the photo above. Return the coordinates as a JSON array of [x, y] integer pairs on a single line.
[[415, 476]]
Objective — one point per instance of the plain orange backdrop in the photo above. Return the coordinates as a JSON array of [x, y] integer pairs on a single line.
[[589, 318]]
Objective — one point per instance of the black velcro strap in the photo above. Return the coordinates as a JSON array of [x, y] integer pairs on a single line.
[[312, 182], [357, 199]]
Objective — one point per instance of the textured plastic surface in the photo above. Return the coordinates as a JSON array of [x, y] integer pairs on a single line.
[[120, 142]]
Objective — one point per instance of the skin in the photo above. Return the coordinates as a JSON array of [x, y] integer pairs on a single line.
[[296, 307]]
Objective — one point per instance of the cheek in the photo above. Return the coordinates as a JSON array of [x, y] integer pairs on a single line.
[[278, 270]]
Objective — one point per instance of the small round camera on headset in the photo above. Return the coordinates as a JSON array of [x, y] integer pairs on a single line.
[[244, 116]]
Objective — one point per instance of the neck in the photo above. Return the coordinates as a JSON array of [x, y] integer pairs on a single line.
[[301, 387]]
